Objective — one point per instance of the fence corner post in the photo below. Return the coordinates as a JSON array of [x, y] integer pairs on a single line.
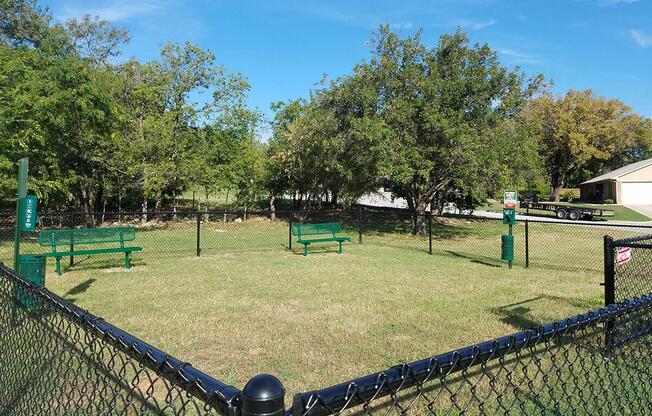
[[609, 275], [263, 395], [198, 215], [527, 243]]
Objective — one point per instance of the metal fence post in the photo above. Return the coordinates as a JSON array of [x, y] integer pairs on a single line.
[[609, 289], [430, 233], [527, 243], [263, 395], [290, 231], [609, 275], [360, 220], [198, 214]]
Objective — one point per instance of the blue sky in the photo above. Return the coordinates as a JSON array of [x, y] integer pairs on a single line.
[[284, 47]]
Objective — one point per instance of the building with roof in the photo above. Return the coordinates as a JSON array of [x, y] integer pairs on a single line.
[[629, 185]]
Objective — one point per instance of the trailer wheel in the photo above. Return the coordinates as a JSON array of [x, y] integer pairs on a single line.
[[574, 215], [561, 213]]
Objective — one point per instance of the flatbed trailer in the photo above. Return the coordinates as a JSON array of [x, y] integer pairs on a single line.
[[568, 211]]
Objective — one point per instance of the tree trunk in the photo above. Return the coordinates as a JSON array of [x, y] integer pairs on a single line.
[[120, 206], [174, 204], [143, 208], [420, 223], [159, 203], [103, 211], [556, 185], [334, 197], [272, 207], [88, 215]]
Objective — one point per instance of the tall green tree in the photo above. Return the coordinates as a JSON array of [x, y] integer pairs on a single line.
[[579, 130]]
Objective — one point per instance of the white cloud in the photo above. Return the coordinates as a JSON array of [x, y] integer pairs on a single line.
[[641, 38], [475, 25], [117, 10], [401, 25], [517, 57], [605, 3]]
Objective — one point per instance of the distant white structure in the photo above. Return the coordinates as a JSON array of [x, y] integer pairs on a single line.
[[385, 199]]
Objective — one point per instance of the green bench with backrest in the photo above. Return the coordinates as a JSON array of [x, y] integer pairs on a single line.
[[73, 237], [318, 233]]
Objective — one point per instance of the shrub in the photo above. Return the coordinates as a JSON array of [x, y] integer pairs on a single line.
[[568, 196]]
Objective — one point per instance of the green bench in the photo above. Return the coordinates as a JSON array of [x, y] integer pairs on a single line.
[[314, 231], [84, 236]]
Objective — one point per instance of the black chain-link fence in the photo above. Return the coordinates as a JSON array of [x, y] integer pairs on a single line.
[[628, 268], [57, 359], [563, 367], [541, 243]]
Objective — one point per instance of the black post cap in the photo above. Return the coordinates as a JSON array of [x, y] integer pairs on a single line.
[[263, 395]]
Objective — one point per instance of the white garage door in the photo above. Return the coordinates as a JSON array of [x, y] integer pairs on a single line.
[[636, 193]]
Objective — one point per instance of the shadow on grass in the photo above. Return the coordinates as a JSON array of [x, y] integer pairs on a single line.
[[404, 226], [95, 263], [476, 259], [515, 314], [318, 250], [80, 288]]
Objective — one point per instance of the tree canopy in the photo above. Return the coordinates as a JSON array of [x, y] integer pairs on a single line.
[[434, 123]]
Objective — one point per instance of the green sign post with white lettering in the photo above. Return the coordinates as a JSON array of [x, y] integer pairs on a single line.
[[26, 208], [23, 168], [510, 200], [27, 214]]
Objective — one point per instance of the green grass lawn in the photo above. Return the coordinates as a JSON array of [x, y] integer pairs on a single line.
[[621, 213], [249, 305], [325, 318]]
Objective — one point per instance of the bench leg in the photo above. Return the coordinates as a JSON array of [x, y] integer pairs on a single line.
[[58, 265], [340, 250], [127, 260], [305, 249], [72, 258]]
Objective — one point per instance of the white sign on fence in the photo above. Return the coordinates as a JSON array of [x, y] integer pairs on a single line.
[[623, 255]]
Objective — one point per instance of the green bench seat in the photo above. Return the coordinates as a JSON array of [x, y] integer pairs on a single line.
[[84, 236], [314, 233]]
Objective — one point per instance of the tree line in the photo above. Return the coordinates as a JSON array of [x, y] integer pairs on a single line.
[[435, 124]]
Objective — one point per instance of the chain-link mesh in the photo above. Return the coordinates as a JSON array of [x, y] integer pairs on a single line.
[[631, 265], [572, 246], [563, 367], [56, 359], [542, 243]]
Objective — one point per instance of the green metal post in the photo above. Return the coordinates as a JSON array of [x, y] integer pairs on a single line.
[[23, 167], [510, 233]]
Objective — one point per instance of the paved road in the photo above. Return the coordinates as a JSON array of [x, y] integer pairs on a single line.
[[643, 209], [520, 217]]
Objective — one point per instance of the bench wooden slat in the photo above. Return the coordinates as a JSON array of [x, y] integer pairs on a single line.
[[78, 236]]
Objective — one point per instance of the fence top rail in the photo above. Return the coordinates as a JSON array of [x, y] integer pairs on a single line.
[[353, 210], [349, 394], [629, 242], [213, 392]]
